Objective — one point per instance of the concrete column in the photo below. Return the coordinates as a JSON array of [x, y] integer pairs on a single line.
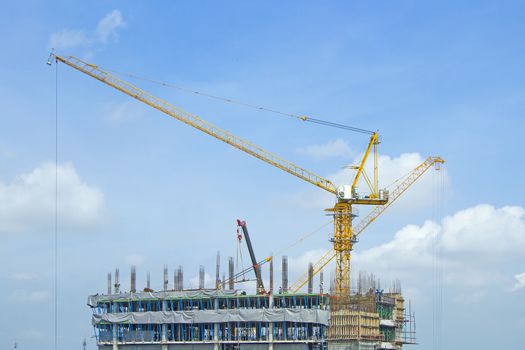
[[115, 338], [164, 329], [215, 336], [216, 328], [270, 336]]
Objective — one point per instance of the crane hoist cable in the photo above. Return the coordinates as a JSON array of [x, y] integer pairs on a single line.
[[241, 103]]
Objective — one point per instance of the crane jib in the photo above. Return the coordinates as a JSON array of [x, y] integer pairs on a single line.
[[198, 123]]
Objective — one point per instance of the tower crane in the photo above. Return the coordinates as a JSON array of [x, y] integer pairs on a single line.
[[408, 181], [346, 195]]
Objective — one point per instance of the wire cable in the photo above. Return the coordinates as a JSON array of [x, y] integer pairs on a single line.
[[302, 238], [245, 104], [438, 189], [56, 216]]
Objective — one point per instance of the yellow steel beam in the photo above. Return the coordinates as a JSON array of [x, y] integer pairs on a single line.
[[373, 191], [373, 141], [196, 122]]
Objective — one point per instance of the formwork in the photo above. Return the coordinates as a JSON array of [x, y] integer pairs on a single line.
[[353, 325]]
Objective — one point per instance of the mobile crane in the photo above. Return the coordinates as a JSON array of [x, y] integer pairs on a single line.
[[255, 264]]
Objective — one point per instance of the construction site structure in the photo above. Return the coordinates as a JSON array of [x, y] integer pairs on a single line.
[[211, 319]]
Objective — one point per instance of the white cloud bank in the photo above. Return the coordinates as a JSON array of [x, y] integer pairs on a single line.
[[27, 203], [474, 248], [108, 26], [106, 31]]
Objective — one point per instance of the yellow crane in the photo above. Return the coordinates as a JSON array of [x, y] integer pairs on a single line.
[[406, 182], [345, 195]]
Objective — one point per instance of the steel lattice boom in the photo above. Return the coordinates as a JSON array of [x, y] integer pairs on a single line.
[[196, 122]]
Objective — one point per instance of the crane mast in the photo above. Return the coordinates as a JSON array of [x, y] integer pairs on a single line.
[[345, 196]]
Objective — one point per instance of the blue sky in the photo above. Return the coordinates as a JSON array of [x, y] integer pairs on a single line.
[[138, 188]]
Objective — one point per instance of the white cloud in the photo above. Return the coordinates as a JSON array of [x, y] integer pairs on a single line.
[[107, 31], [107, 27], [485, 229], [22, 296], [135, 259], [24, 276], [334, 148], [520, 282], [27, 203], [471, 248]]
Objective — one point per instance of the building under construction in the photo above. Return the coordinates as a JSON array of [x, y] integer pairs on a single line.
[[229, 318]]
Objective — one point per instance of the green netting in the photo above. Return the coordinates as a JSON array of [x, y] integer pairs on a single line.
[[385, 311], [389, 334]]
